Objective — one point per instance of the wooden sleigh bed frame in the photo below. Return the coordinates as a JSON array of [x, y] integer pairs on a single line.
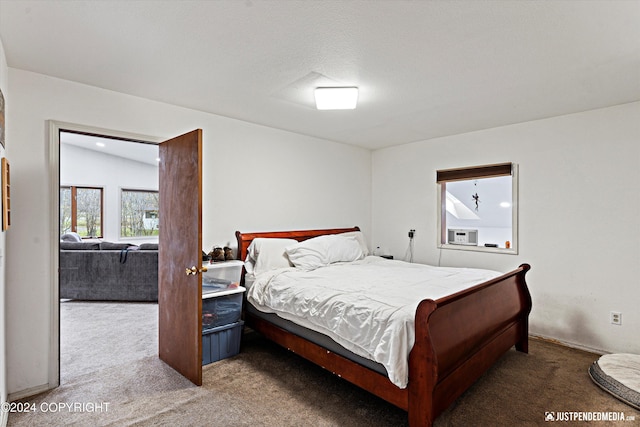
[[457, 338]]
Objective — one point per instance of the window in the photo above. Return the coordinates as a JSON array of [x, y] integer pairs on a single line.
[[139, 213], [478, 208], [81, 211]]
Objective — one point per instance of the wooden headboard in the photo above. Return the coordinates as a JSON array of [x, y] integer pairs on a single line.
[[245, 239]]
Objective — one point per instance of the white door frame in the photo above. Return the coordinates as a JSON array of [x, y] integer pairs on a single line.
[[54, 127]]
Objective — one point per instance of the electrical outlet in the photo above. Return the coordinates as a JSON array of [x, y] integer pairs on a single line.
[[616, 318], [412, 233]]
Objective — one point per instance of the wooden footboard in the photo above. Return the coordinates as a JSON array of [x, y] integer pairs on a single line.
[[458, 338]]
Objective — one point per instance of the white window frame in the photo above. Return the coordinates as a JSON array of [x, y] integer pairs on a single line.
[[513, 250]]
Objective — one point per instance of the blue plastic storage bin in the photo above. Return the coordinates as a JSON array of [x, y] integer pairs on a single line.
[[221, 342], [222, 308]]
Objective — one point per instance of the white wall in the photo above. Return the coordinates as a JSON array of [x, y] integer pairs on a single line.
[[578, 216], [83, 167], [3, 252], [256, 178]]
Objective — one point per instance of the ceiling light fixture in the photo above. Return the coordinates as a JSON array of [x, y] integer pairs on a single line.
[[336, 98], [100, 144]]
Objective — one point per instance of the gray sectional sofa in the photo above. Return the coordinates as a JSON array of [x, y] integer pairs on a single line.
[[108, 271]]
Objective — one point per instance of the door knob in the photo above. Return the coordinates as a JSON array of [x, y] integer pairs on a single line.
[[195, 270]]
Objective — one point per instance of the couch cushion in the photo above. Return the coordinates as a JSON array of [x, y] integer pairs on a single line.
[[80, 246], [148, 247], [110, 246]]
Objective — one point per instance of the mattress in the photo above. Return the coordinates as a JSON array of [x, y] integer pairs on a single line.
[[367, 306], [316, 338]]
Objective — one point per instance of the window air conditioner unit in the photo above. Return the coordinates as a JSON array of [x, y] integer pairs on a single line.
[[463, 237]]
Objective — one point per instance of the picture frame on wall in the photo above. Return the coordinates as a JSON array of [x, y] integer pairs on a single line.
[[6, 194], [1, 118]]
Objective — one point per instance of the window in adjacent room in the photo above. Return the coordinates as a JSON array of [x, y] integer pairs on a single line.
[[139, 213], [81, 211], [479, 208]]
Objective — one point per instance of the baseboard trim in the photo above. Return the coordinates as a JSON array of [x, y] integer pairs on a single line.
[[4, 417], [568, 344], [28, 392]]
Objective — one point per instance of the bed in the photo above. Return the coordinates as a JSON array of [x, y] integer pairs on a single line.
[[456, 337]]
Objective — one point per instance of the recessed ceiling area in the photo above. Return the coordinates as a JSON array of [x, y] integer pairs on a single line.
[[132, 150], [424, 69]]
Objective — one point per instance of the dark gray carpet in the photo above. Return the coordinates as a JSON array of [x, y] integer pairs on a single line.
[[265, 385]]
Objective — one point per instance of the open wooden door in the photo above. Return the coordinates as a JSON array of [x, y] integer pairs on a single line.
[[180, 250]]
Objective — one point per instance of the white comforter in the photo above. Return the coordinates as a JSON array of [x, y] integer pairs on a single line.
[[367, 306]]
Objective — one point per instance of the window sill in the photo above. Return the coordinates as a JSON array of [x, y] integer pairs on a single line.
[[510, 251]]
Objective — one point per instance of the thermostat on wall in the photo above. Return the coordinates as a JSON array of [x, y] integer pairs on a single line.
[[463, 237]]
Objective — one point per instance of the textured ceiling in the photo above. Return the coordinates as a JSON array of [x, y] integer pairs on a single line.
[[424, 68]]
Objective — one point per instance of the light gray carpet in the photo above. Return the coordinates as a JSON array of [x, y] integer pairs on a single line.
[[265, 385], [104, 334]]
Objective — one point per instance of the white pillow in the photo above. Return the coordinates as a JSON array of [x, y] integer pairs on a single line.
[[324, 250], [360, 236], [264, 254], [70, 237]]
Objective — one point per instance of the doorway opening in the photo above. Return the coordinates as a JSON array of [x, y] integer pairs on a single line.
[[108, 184]]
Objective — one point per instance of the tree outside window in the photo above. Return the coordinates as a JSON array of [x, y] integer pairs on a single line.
[[65, 210], [81, 211], [139, 213]]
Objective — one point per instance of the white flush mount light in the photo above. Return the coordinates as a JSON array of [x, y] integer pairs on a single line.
[[336, 98], [100, 144], [505, 205]]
